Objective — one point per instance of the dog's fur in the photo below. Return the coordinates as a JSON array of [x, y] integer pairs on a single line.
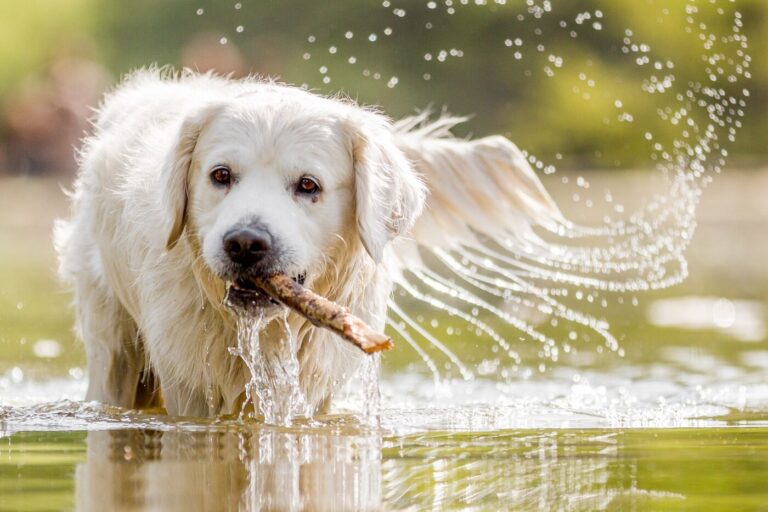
[[143, 248]]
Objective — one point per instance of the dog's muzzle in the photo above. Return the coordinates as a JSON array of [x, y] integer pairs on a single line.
[[252, 251]]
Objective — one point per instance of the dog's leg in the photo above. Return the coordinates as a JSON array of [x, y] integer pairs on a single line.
[[183, 401], [115, 359], [148, 392]]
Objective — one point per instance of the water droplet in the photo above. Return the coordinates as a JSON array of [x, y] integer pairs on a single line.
[[47, 349], [17, 375]]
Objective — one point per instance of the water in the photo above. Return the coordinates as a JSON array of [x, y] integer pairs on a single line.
[[596, 442], [528, 374], [273, 392], [272, 470]]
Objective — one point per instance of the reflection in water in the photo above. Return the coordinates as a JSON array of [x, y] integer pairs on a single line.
[[270, 469], [512, 471], [257, 470]]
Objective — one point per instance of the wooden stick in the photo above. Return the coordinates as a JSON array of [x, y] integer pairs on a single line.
[[324, 313]]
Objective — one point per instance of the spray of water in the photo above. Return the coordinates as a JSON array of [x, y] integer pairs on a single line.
[[273, 389], [547, 278]]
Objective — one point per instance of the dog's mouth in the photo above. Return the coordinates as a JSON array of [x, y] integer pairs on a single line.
[[244, 295]]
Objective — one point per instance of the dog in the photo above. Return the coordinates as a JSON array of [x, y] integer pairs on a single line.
[[190, 182]]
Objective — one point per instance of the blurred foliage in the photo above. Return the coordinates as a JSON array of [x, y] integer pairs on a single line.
[[546, 115], [32, 32]]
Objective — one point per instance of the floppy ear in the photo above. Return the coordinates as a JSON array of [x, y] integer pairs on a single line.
[[389, 195], [176, 172]]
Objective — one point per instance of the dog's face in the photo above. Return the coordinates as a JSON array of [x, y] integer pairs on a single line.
[[272, 191], [272, 182]]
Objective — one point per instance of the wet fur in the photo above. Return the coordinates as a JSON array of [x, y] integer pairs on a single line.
[[148, 303]]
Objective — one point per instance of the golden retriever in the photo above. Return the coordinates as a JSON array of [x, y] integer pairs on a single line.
[[190, 182]]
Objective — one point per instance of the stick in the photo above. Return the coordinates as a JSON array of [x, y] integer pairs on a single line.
[[324, 313]]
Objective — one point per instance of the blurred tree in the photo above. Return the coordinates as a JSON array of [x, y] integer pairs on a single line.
[[561, 85]]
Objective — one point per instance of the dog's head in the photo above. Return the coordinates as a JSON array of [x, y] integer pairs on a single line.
[[275, 181]]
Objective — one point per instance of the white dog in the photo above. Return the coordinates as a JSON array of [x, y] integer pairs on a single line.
[[189, 182]]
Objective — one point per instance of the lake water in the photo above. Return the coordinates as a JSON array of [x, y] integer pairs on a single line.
[[680, 422]]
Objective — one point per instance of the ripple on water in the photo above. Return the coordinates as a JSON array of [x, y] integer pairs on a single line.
[[412, 403]]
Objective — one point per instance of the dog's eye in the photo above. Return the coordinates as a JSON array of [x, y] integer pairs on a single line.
[[222, 176], [308, 185]]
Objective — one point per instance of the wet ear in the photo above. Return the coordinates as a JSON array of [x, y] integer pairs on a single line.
[[177, 169], [389, 195]]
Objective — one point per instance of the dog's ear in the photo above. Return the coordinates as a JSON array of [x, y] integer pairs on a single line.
[[389, 195], [176, 172]]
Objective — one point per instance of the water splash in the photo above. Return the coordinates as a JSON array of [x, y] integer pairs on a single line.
[[551, 280], [369, 375], [273, 389]]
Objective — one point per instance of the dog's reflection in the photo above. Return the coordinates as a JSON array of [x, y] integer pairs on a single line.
[[258, 470]]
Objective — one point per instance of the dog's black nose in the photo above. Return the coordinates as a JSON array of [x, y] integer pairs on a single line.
[[247, 245]]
